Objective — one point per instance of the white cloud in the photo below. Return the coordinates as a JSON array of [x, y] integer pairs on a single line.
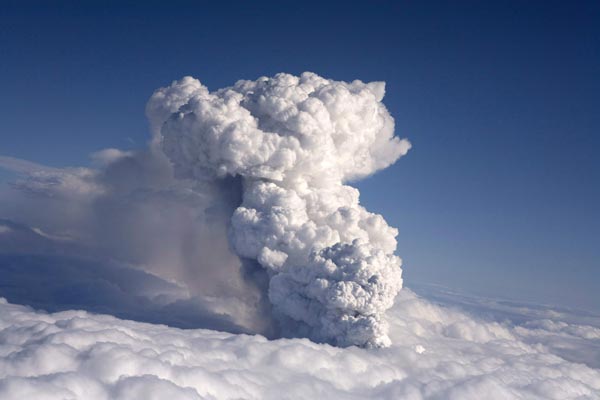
[[108, 156], [438, 352], [294, 141]]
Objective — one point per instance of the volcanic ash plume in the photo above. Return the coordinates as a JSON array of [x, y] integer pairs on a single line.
[[292, 143]]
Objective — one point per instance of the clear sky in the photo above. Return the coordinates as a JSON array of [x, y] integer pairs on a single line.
[[500, 194]]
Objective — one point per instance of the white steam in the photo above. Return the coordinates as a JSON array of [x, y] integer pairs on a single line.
[[292, 143]]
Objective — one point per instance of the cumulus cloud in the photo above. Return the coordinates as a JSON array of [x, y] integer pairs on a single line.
[[294, 142], [437, 352]]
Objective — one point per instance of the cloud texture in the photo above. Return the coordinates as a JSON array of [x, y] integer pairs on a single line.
[[238, 218], [293, 142], [437, 352]]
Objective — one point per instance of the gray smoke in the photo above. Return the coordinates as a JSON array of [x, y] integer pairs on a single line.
[[130, 212]]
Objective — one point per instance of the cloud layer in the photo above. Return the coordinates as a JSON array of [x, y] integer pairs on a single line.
[[438, 352]]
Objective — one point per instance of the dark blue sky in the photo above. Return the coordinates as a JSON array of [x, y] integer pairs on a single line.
[[500, 194]]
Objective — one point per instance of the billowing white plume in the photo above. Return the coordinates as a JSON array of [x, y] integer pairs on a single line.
[[292, 143]]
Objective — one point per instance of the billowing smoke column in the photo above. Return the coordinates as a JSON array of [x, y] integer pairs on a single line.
[[294, 142]]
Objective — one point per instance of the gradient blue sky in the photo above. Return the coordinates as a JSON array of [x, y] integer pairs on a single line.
[[500, 194]]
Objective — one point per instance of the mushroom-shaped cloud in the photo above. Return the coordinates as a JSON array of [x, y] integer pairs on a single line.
[[293, 143]]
